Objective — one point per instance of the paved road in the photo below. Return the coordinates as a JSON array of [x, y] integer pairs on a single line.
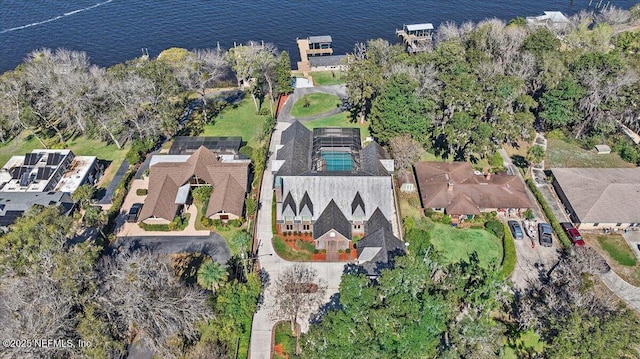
[[625, 291], [263, 322], [108, 195], [213, 245]]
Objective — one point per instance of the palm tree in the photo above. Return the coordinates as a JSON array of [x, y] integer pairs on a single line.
[[211, 274]]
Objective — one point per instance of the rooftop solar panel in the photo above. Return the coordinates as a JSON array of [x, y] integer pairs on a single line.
[[54, 159], [31, 159], [186, 145], [19, 171]]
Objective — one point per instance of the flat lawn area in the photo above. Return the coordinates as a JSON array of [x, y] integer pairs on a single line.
[[457, 244], [237, 120], [18, 146], [286, 252], [328, 78], [340, 120], [564, 154], [619, 256], [618, 249], [317, 103]]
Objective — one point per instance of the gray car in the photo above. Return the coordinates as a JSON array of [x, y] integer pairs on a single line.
[[545, 234], [516, 230]]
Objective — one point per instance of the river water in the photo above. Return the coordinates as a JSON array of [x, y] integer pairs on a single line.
[[113, 31]]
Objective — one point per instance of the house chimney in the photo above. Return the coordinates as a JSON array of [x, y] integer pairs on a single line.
[[450, 186], [487, 176]]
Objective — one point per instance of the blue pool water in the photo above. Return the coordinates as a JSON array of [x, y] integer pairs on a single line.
[[337, 161]]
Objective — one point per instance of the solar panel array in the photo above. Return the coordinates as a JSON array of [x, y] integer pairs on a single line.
[[185, 145], [31, 159], [54, 159]]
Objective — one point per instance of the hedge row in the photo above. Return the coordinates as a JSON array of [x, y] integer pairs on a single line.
[[509, 253], [118, 198], [549, 214], [274, 229]]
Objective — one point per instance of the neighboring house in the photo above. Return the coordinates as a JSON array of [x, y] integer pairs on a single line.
[[378, 249], [48, 170], [172, 177], [599, 197], [316, 54], [14, 204], [328, 185], [459, 191]]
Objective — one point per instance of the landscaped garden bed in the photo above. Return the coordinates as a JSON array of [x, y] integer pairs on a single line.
[[284, 341], [301, 247]]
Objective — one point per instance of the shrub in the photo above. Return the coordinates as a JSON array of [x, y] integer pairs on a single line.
[[139, 148], [496, 228], [235, 223], [446, 219], [508, 254], [299, 244], [285, 233], [141, 192], [347, 251], [251, 206], [308, 246], [207, 222], [201, 194], [274, 227], [217, 223], [564, 240], [496, 160], [297, 233], [556, 134]]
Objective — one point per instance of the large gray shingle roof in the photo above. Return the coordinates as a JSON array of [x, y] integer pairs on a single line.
[[602, 195], [332, 218]]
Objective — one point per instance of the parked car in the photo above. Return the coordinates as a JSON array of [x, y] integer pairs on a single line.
[[516, 230], [572, 233], [134, 212], [545, 234]]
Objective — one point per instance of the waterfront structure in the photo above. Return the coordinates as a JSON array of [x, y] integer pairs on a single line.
[[316, 54], [459, 191], [596, 198], [550, 19], [172, 177], [416, 37], [327, 185], [48, 170]]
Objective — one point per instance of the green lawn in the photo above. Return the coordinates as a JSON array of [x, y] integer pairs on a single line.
[[340, 120], [317, 103], [18, 146], [618, 249], [457, 244], [528, 343], [286, 252], [328, 78], [238, 120], [564, 154]]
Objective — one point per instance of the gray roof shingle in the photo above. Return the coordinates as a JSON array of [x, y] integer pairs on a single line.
[[332, 218]]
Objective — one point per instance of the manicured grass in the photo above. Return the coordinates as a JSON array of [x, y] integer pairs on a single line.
[[457, 244], [328, 78], [340, 120], [318, 103], [564, 154], [618, 249], [237, 120], [286, 252], [18, 146]]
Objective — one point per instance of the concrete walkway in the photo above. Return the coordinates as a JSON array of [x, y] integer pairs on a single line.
[[330, 272], [625, 291]]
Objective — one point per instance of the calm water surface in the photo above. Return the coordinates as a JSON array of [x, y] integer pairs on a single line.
[[112, 31]]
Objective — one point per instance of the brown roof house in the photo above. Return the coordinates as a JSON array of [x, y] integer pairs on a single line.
[[456, 189], [171, 178], [599, 197]]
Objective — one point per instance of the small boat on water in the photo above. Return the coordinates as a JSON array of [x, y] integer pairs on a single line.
[[529, 228]]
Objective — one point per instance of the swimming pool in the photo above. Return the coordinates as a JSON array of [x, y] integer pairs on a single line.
[[337, 161]]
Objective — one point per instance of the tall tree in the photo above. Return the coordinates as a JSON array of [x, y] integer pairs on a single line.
[[202, 69], [283, 71], [297, 293], [211, 274]]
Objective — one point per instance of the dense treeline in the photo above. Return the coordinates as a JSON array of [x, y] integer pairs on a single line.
[[56, 95], [483, 85], [423, 309], [56, 285]]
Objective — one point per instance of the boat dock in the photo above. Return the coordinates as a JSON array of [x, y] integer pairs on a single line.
[[416, 37]]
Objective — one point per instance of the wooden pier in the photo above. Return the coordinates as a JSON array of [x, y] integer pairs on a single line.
[[416, 37]]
